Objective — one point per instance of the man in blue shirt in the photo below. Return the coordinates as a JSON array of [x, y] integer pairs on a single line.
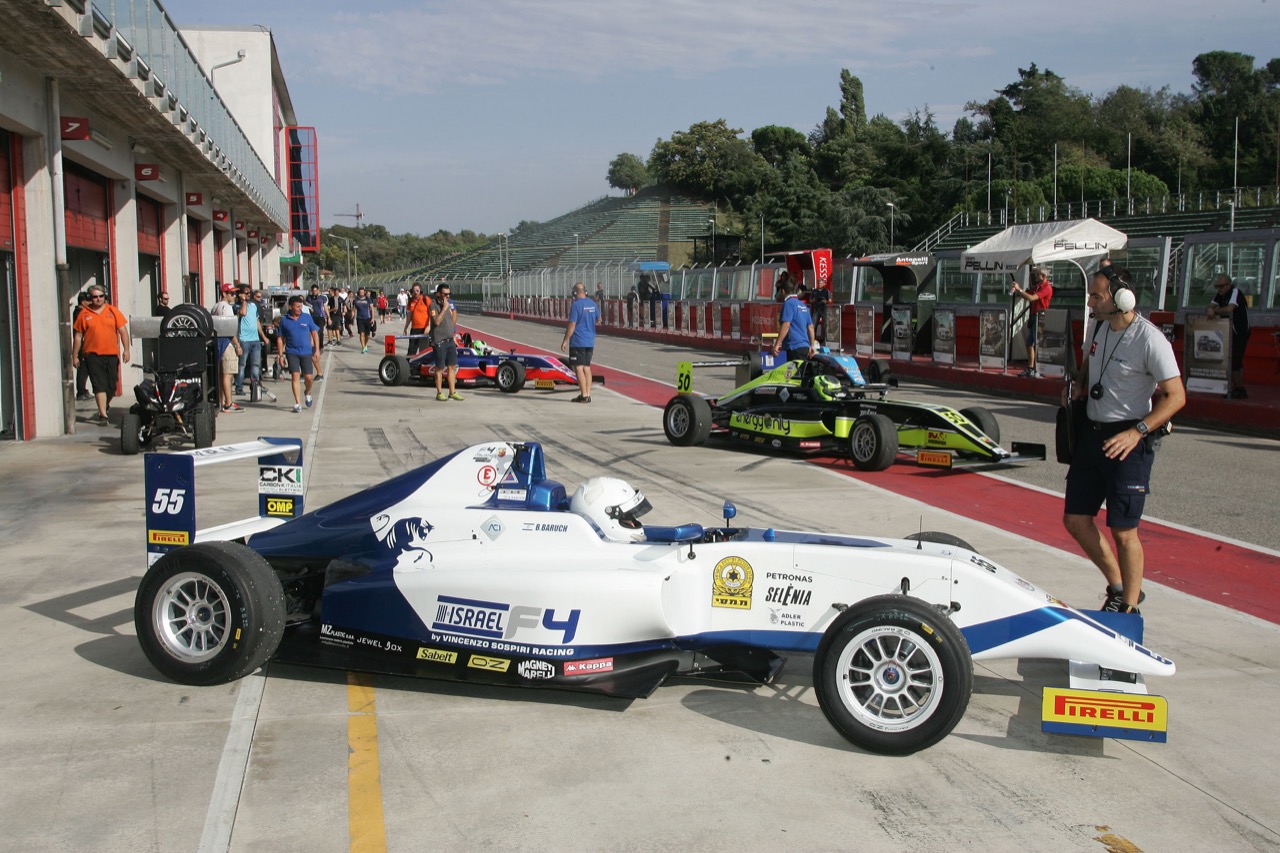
[[299, 339], [364, 317], [251, 337], [580, 339], [795, 330]]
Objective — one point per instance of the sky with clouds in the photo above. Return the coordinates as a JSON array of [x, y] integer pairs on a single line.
[[452, 115]]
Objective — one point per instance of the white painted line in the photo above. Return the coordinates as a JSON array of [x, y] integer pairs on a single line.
[[220, 820]]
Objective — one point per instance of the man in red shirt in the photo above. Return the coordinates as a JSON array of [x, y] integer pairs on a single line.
[[101, 337], [1038, 296]]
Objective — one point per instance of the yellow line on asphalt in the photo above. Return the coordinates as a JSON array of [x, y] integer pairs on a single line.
[[364, 774]]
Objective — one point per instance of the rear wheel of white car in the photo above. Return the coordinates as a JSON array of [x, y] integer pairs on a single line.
[[510, 377], [394, 370], [209, 613], [873, 443], [983, 420], [687, 420], [893, 675]]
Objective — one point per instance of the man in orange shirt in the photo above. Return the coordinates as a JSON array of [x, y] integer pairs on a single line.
[[416, 319], [101, 337]]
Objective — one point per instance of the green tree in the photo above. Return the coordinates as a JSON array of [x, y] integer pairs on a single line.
[[1229, 88], [709, 160], [627, 172], [773, 143]]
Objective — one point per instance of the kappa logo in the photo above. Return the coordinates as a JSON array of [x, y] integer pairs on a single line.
[[588, 667]]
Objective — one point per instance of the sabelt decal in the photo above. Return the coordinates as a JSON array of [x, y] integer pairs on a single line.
[[437, 655], [731, 584], [536, 669], [588, 667], [1087, 709], [487, 663], [167, 537]]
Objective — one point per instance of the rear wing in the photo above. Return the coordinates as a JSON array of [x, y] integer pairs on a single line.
[[170, 483]]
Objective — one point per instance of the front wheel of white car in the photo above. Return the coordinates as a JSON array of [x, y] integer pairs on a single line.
[[893, 675]]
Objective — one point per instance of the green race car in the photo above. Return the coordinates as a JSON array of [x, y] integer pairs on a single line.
[[824, 405]]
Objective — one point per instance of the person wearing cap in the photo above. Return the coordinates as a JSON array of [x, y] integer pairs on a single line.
[[1037, 296], [298, 340], [228, 349]]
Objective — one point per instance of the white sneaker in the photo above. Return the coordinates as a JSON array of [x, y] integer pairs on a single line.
[[297, 408]]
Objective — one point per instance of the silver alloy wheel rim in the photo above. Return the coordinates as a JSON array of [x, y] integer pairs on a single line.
[[678, 420], [888, 679], [864, 442], [192, 617], [506, 376]]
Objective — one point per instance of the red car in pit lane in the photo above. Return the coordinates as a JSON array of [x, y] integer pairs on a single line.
[[478, 365]]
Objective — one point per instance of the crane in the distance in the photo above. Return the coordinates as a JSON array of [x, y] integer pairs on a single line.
[[357, 216]]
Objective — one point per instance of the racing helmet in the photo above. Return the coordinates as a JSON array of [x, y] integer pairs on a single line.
[[826, 387], [612, 506]]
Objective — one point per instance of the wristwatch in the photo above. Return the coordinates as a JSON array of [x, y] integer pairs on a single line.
[[1141, 427]]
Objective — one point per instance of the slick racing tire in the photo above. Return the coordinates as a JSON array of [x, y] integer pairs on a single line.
[[205, 427], [893, 674], [394, 370], [879, 372], [873, 443], [131, 433], [940, 538], [187, 321], [983, 420], [687, 420], [510, 376], [209, 613]]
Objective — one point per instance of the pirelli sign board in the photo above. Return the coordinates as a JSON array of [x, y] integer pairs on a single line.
[[1105, 713]]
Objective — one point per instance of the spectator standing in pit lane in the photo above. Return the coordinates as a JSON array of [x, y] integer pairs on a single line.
[[337, 307], [416, 319], [795, 323], [82, 370], [1229, 302], [298, 341], [444, 328], [580, 339], [228, 350], [251, 338], [362, 307], [383, 313], [402, 302], [1038, 296], [1115, 450], [319, 307], [101, 338]]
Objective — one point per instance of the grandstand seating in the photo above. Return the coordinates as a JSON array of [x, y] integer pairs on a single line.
[[610, 229]]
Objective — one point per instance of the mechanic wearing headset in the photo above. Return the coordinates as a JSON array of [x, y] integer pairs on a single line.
[[1127, 359]]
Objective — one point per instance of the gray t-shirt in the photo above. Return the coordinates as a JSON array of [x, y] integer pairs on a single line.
[[444, 328], [1128, 364]]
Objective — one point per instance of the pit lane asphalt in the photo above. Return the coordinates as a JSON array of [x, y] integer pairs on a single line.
[[101, 753]]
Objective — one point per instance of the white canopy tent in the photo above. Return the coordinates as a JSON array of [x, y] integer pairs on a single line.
[[1041, 243]]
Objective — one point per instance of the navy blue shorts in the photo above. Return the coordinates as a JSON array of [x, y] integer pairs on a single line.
[[446, 353], [1033, 327], [1122, 484], [581, 356]]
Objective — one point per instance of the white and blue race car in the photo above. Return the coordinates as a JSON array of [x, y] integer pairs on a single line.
[[477, 567]]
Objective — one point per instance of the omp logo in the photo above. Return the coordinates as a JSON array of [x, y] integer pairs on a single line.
[[1097, 708], [168, 537], [588, 667], [437, 655], [280, 507], [488, 663]]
